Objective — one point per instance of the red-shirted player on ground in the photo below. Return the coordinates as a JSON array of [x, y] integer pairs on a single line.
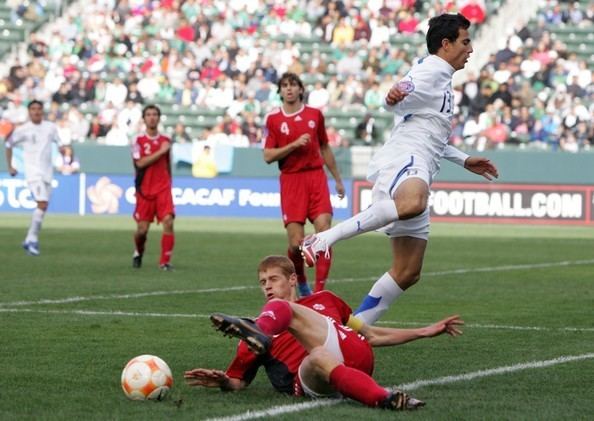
[[150, 153], [295, 136], [306, 346]]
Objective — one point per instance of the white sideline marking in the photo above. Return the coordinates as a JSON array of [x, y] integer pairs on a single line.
[[104, 313], [123, 296], [284, 409], [278, 410], [244, 287], [206, 316], [494, 371]]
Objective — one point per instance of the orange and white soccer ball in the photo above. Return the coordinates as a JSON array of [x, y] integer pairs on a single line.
[[146, 377]]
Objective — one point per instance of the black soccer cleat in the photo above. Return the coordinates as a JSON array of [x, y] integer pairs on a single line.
[[397, 400], [166, 267], [245, 329], [137, 261]]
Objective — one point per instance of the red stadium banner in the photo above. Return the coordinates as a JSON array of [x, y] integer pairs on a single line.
[[501, 203]]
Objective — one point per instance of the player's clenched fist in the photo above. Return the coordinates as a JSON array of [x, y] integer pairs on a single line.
[[302, 140], [395, 95]]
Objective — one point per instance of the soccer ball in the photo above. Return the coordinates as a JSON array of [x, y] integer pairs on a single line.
[[146, 377]]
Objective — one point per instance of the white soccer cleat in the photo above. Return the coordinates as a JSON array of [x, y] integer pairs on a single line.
[[32, 249], [311, 247]]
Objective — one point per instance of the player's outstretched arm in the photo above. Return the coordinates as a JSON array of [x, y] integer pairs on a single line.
[[207, 377], [385, 336], [481, 166]]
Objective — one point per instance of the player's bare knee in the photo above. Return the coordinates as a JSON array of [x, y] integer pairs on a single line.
[[406, 278], [322, 361], [411, 207]]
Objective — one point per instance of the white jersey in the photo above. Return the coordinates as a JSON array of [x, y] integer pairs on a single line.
[[36, 141], [422, 122]]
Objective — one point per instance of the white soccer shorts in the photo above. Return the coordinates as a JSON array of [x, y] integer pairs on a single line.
[[385, 186], [40, 190], [333, 347]]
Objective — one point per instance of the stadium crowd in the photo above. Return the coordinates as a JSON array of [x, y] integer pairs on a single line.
[[97, 68]]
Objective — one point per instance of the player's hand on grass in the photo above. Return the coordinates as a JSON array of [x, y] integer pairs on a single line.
[[206, 377], [450, 325], [481, 166]]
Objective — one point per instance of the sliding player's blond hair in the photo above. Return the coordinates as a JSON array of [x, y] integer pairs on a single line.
[[281, 262]]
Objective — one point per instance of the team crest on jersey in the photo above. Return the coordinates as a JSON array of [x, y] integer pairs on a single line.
[[311, 124], [406, 86], [318, 307]]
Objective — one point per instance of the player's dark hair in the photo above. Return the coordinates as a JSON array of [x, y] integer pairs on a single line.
[[151, 107], [290, 77], [35, 101], [281, 262], [445, 26]]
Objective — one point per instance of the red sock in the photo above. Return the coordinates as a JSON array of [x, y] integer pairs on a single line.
[[322, 270], [357, 385], [167, 242], [140, 240], [275, 317], [298, 263]]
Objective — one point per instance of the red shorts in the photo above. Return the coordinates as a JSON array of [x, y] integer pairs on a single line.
[[304, 195], [356, 351], [158, 206]]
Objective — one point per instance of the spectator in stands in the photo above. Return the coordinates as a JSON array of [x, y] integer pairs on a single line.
[[205, 165], [319, 97], [250, 129], [335, 139], [366, 132], [343, 34], [474, 11], [66, 162], [373, 97], [350, 64], [180, 135]]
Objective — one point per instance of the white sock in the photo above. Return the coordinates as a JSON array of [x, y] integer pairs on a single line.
[[35, 227], [376, 216], [382, 294]]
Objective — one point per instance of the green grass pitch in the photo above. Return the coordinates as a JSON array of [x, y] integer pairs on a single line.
[[71, 318]]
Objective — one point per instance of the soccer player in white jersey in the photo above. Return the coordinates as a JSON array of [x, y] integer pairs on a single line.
[[36, 138], [403, 169]]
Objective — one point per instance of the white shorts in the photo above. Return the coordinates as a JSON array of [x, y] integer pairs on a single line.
[[333, 347], [40, 190], [388, 180]]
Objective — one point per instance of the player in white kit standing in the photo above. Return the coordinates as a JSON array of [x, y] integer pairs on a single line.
[[36, 138], [403, 169]]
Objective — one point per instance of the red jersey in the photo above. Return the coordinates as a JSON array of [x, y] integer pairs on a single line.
[[286, 353], [282, 129], [156, 177]]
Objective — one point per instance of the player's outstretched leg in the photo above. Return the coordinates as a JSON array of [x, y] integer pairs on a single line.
[[311, 247], [31, 248], [244, 329], [297, 260], [376, 216]]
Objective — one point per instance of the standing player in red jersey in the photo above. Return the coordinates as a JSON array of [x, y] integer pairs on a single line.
[[295, 136], [150, 153], [306, 346]]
